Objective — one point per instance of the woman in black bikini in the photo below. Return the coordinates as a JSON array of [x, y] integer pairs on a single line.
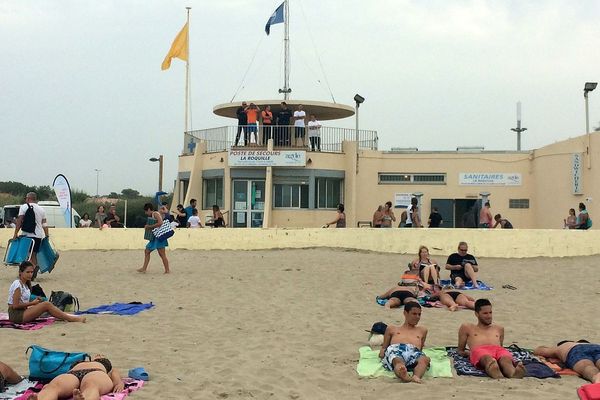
[[452, 299], [86, 380], [400, 295], [429, 270]]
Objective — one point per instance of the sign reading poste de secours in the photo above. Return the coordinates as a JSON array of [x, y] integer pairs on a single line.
[[265, 158], [489, 179]]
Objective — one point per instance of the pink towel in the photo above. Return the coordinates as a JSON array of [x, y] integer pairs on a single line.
[[28, 326], [131, 385]]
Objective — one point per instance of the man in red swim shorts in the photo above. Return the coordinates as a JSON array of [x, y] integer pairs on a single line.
[[485, 343]]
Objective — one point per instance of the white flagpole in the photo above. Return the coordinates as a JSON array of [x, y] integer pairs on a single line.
[[286, 84], [187, 72]]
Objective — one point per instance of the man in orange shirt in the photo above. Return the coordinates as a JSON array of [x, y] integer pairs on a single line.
[[252, 116]]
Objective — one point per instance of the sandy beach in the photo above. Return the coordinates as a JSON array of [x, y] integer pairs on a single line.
[[287, 324]]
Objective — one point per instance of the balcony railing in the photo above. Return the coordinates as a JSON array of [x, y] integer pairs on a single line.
[[225, 137]]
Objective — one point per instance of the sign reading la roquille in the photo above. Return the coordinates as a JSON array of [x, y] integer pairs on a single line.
[[265, 158]]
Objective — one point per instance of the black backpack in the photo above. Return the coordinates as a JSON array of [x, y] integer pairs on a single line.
[[64, 301], [29, 223]]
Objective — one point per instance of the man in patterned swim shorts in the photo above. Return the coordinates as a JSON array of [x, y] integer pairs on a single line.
[[485, 342], [582, 357], [402, 345]]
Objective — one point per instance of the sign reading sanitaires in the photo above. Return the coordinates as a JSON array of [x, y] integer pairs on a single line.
[[489, 179], [265, 158]]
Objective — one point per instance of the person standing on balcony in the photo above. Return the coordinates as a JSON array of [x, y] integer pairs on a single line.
[[283, 122], [252, 113], [267, 122], [299, 126], [314, 133], [242, 123]]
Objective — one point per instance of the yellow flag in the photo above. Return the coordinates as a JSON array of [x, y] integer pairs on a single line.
[[179, 48]]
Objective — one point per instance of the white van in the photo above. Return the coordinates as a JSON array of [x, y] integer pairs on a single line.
[[54, 214]]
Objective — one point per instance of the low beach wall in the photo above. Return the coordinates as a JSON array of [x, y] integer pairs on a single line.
[[516, 243]]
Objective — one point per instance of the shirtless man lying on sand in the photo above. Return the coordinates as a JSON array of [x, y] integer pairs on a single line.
[[485, 343], [402, 345], [582, 357]]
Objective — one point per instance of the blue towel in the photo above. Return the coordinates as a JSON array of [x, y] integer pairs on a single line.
[[119, 308], [534, 368], [468, 286]]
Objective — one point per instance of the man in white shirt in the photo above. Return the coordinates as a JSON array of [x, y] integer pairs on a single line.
[[409, 213], [299, 117], [36, 227], [314, 133]]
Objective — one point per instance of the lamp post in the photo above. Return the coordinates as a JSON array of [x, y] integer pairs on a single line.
[[160, 170], [589, 86], [358, 99], [97, 179]]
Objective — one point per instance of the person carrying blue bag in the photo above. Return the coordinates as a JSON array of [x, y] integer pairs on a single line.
[[159, 243]]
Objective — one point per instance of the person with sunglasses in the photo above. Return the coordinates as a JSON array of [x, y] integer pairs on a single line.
[[463, 267]]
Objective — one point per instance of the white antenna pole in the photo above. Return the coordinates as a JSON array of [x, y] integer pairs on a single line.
[[518, 129]]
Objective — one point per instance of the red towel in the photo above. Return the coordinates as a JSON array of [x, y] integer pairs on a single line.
[[589, 392]]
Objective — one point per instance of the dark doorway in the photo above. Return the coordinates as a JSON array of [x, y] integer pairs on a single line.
[[467, 213], [446, 209]]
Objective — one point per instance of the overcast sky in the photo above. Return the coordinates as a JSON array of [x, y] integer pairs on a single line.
[[81, 86]]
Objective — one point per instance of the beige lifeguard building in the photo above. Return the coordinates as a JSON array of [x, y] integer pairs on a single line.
[[276, 180]]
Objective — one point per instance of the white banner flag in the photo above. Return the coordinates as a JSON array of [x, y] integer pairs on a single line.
[[63, 194]]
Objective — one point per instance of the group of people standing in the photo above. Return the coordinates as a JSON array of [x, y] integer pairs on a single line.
[[277, 127], [581, 221], [384, 217]]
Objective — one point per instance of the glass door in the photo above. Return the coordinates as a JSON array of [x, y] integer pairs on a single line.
[[257, 205], [248, 203]]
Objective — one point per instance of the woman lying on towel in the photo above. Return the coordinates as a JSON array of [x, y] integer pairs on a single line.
[[8, 376], [452, 298], [21, 310], [87, 380], [400, 295]]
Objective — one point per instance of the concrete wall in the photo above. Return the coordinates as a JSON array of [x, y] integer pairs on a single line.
[[441, 242]]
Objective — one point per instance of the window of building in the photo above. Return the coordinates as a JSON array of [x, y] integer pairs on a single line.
[[292, 195], [412, 178], [213, 193], [329, 192], [518, 203]]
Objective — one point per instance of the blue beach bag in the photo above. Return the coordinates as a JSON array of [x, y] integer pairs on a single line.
[[164, 231], [45, 364]]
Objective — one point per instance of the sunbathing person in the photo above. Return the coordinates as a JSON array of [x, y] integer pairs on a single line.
[[87, 380], [8, 376], [21, 310], [429, 270], [485, 342], [402, 345], [400, 295], [463, 267], [582, 357], [452, 298]]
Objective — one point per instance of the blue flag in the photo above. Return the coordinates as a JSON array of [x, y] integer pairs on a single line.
[[276, 18]]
